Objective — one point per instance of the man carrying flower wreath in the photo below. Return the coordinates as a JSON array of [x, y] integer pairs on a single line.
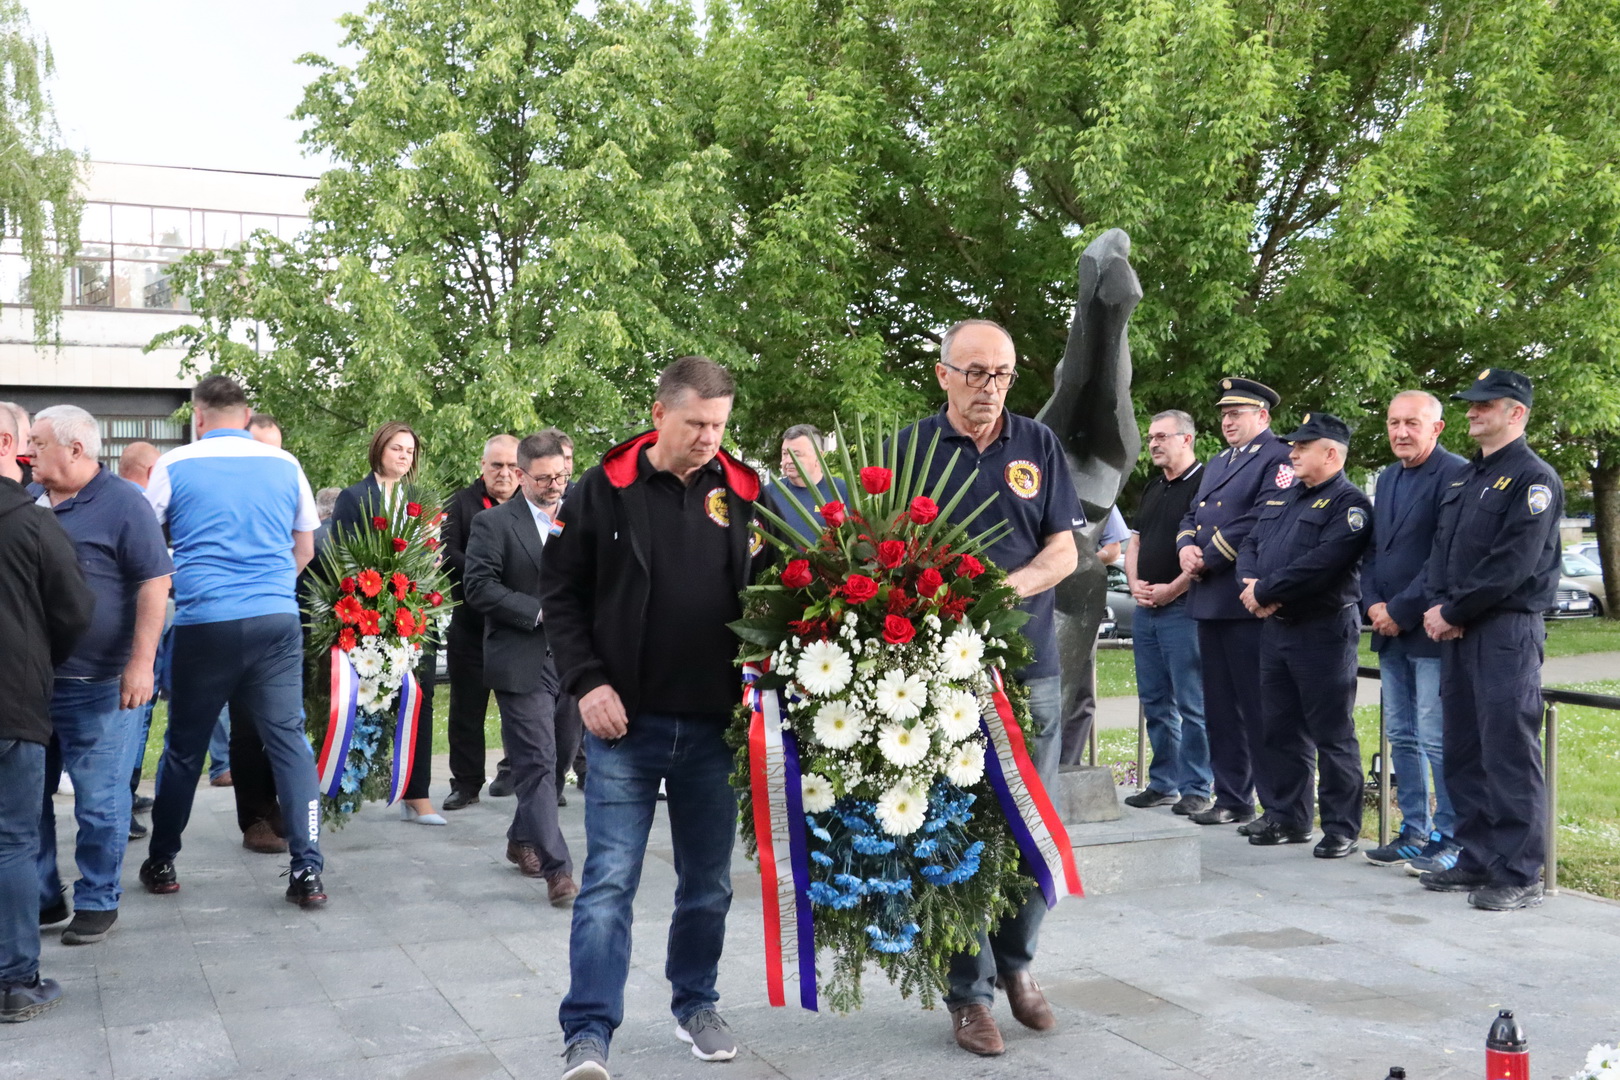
[[638, 588], [1020, 462]]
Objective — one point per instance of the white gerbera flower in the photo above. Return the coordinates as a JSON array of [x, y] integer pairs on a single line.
[[366, 699], [962, 654], [817, 793], [367, 664], [957, 714], [838, 726], [903, 746], [966, 766], [902, 810], [824, 668], [900, 696]]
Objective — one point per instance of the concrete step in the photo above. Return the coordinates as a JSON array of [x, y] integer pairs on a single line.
[[1141, 849]]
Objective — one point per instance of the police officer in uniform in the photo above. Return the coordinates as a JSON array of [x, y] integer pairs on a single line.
[[1493, 571], [1300, 571], [1236, 483]]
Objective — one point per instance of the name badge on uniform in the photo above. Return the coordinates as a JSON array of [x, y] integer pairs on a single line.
[[1539, 498]]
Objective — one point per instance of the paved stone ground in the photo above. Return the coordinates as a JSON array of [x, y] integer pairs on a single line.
[[437, 961]]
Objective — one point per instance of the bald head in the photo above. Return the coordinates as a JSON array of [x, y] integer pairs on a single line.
[[500, 467], [135, 463]]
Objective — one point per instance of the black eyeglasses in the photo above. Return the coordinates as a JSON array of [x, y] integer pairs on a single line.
[[978, 378], [1157, 437], [543, 480]]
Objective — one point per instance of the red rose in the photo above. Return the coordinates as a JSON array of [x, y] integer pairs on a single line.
[[379, 523], [431, 544], [924, 510], [371, 582], [347, 585], [898, 601], [404, 622], [399, 544], [969, 567], [891, 553], [346, 639], [370, 622], [929, 582], [796, 575], [859, 589], [347, 610], [435, 599], [876, 481], [413, 509], [897, 631], [833, 514]]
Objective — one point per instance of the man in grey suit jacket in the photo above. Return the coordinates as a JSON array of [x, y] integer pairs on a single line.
[[502, 582]]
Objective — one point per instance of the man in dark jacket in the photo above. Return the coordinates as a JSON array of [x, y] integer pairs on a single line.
[[45, 606], [637, 589], [464, 644]]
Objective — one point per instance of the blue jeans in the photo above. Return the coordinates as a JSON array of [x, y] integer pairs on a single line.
[[255, 666], [689, 753], [1010, 947], [219, 746], [137, 725], [1410, 689], [91, 744], [1170, 685], [22, 777]]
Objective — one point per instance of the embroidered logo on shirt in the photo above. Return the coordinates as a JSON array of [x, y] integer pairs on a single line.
[[714, 504], [1284, 477], [1540, 498], [1024, 477], [756, 539], [1357, 519]]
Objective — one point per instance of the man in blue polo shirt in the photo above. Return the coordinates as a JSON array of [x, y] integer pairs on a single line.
[[809, 487], [1020, 462], [121, 552], [242, 522]]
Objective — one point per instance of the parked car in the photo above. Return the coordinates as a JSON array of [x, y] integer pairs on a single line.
[[1582, 572], [1586, 549], [1121, 605]]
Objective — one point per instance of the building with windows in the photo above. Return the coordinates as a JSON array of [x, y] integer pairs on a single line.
[[138, 220]]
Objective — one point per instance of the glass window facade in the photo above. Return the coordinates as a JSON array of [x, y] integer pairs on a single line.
[[117, 432]]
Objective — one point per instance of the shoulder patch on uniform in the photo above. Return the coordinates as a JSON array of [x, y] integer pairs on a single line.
[[1357, 519], [1284, 476], [1024, 478], [714, 504], [1540, 498]]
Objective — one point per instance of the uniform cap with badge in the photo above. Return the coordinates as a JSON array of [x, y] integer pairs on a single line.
[[1319, 426], [1493, 383], [1236, 391]]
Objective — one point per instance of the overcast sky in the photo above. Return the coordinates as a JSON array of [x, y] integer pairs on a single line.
[[204, 83]]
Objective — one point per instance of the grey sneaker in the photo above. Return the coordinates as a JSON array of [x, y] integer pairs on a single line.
[[711, 1039], [585, 1059]]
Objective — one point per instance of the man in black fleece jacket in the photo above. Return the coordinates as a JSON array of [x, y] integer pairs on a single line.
[[45, 606], [635, 592]]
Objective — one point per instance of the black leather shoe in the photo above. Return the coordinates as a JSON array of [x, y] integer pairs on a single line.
[[1276, 832], [1148, 797], [1255, 824], [159, 877], [304, 889], [502, 785], [1454, 880], [1221, 815], [1334, 847], [1188, 805], [1507, 897], [459, 799]]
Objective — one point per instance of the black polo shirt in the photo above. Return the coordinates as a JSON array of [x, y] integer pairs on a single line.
[[1025, 470], [687, 648], [1158, 519]]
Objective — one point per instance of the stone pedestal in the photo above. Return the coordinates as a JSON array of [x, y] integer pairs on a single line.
[[1118, 847], [1087, 794]]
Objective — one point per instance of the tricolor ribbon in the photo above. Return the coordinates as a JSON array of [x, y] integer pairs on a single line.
[[410, 708], [784, 856], [1036, 826], [339, 724]]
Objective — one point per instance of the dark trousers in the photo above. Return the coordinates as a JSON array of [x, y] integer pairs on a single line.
[[469, 702], [253, 782], [1490, 693], [1229, 653], [529, 728], [570, 739], [1308, 698]]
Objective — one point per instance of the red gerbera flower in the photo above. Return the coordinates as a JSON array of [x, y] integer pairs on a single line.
[[371, 582], [347, 610], [401, 584], [370, 622], [404, 622], [346, 639]]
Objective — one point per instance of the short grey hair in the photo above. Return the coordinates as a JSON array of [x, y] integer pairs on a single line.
[[1433, 403], [949, 337], [804, 431], [1343, 448], [1183, 421], [71, 424], [326, 501]]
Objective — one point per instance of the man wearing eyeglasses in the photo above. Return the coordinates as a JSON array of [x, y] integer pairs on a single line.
[[464, 652], [1235, 484], [1021, 463], [502, 583]]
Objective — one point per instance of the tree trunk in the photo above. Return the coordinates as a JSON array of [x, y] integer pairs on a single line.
[[1606, 511]]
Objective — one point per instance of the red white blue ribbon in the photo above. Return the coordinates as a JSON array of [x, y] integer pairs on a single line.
[[339, 724], [784, 857], [410, 709], [1036, 826]]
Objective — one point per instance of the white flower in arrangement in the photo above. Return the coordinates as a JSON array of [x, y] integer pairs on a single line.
[[1602, 1063], [902, 810], [962, 654], [824, 668], [367, 663], [817, 793], [366, 698], [957, 714], [838, 726], [900, 696], [966, 766], [903, 746], [850, 619]]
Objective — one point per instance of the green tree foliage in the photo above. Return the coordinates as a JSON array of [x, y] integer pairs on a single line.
[[39, 202]]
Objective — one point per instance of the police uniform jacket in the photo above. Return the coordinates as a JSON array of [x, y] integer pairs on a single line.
[[1393, 570], [1236, 483], [1305, 549], [1496, 544]]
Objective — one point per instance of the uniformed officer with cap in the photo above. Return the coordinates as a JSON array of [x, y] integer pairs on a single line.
[[1300, 571], [1493, 571], [1237, 481]]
